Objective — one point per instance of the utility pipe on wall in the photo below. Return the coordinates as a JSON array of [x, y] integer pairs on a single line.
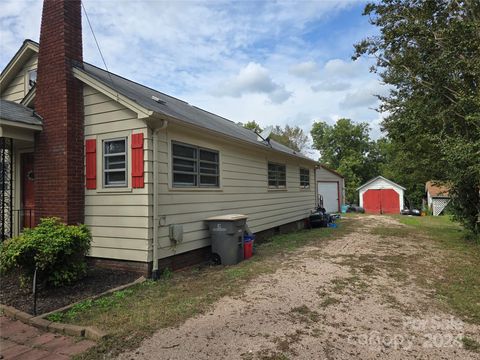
[[156, 219]]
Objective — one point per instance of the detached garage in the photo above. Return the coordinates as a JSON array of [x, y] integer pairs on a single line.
[[381, 196], [331, 187]]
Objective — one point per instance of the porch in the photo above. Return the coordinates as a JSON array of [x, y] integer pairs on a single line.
[[18, 125]]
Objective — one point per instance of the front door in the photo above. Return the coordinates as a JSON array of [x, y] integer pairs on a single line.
[[27, 213]]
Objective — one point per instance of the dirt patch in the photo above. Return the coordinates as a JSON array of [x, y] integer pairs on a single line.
[[49, 299], [354, 297]]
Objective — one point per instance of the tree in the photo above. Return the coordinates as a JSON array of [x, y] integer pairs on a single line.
[[253, 125], [429, 52], [293, 137], [346, 147], [339, 141]]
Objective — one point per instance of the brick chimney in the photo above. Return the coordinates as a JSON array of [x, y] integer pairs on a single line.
[[58, 160]]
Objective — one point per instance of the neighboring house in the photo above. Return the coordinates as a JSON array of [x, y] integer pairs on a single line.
[[381, 196], [331, 187], [129, 161], [437, 197]]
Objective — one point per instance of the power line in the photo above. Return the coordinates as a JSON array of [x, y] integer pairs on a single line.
[[96, 42]]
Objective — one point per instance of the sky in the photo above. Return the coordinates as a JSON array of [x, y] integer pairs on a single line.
[[275, 62]]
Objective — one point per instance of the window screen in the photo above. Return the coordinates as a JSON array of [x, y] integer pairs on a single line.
[[277, 175], [304, 178], [194, 166], [115, 162]]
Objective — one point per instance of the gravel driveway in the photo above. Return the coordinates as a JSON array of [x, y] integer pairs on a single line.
[[348, 298]]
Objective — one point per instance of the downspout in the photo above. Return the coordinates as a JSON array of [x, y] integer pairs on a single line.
[[156, 218]]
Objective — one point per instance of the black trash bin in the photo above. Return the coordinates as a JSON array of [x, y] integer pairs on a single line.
[[226, 232]]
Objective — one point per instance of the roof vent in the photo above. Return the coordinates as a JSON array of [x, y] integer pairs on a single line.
[[158, 100]]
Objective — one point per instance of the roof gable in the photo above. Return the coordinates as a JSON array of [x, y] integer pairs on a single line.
[[436, 189], [369, 182], [331, 171], [26, 51]]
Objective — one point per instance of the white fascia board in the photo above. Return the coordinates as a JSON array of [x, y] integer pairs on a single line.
[[20, 125], [17, 62], [141, 111]]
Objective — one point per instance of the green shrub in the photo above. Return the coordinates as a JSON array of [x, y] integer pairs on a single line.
[[58, 250]]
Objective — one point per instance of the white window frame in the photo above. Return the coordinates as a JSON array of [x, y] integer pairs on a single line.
[[27, 80], [104, 171], [196, 173], [307, 185], [277, 186]]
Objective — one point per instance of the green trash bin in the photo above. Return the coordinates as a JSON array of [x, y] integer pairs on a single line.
[[226, 232]]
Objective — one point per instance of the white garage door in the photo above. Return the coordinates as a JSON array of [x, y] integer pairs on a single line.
[[329, 191]]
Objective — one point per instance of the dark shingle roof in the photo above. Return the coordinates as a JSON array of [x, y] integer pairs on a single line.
[[179, 109], [12, 111]]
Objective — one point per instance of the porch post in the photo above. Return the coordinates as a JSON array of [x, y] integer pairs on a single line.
[[6, 187]]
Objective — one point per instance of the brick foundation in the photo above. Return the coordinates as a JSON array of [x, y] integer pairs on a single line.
[[186, 259], [190, 258], [265, 235], [142, 268]]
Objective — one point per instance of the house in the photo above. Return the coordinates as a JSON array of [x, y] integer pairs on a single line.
[[130, 162], [381, 196], [437, 197], [331, 188]]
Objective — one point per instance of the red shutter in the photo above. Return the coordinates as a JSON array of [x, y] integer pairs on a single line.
[[137, 161], [91, 163]]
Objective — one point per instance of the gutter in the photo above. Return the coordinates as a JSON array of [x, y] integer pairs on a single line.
[[157, 126], [221, 135], [145, 113]]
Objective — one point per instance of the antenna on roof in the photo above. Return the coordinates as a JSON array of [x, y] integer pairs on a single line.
[[265, 135]]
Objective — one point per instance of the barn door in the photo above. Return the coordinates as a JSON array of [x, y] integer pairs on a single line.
[[389, 201], [381, 201], [372, 201]]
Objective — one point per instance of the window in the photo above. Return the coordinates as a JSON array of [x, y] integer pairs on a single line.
[[304, 178], [277, 175], [194, 166], [32, 78], [115, 162]]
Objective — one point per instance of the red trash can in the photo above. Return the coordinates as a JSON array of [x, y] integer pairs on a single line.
[[248, 246]]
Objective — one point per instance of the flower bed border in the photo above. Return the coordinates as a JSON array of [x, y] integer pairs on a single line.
[[40, 321]]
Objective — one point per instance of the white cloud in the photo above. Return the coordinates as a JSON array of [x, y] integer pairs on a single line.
[[364, 97], [253, 79], [222, 55], [330, 86], [305, 69], [342, 68], [359, 98]]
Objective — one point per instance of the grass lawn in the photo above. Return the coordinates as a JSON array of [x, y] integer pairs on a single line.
[[131, 315], [458, 285]]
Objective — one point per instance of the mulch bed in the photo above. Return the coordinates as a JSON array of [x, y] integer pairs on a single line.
[[49, 299]]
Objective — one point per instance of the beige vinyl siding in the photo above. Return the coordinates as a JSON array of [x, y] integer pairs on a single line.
[[120, 219], [325, 175], [243, 189], [322, 174], [16, 90]]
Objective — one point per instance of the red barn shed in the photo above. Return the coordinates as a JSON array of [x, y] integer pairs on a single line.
[[381, 196]]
